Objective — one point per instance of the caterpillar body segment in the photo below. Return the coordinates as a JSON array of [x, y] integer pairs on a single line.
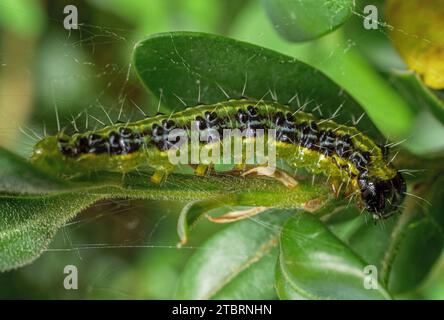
[[321, 146]]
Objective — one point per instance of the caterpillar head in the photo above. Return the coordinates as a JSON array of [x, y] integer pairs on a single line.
[[382, 197]]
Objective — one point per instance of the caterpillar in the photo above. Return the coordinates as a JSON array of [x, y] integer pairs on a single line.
[[321, 146]]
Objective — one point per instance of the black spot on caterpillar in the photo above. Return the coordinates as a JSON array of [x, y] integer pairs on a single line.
[[319, 145]]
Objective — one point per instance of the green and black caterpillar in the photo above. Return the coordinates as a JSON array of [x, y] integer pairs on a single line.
[[321, 146]]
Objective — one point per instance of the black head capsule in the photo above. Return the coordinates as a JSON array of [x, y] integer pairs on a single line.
[[400, 188], [384, 151], [382, 197]]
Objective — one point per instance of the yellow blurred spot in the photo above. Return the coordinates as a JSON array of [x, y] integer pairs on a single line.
[[417, 31], [158, 176], [200, 170]]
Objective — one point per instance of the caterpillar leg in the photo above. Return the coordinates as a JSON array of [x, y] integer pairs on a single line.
[[159, 176], [202, 169], [276, 174], [240, 167]]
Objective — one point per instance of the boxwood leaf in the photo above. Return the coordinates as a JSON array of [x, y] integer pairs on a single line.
[[300, 20], [405, 248], [184, 68], [318, 265], [17, 176], [27, 224], [34, 205], [236, 263]]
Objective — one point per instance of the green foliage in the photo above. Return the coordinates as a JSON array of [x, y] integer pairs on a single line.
[[421, 96], [236, 263], [34, 205], [337, 56], [23, 17], [284, 252], [317, 265], [301, 20], [180, 64], [28, 224]]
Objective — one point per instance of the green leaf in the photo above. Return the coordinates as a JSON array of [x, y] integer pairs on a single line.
[[423, 19], [236, 263], [284, 289], [409, 84], [373, 43], [18, 176], [430, 112], [186, 65], [301, 20], [405, 248], [26, 18], [27, 224], [194, 211], [337, 57], [417, 239], [421, 246], [318, 265], [34, 205]]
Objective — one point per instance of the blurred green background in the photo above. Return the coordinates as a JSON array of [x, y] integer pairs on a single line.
[[127, 249]]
